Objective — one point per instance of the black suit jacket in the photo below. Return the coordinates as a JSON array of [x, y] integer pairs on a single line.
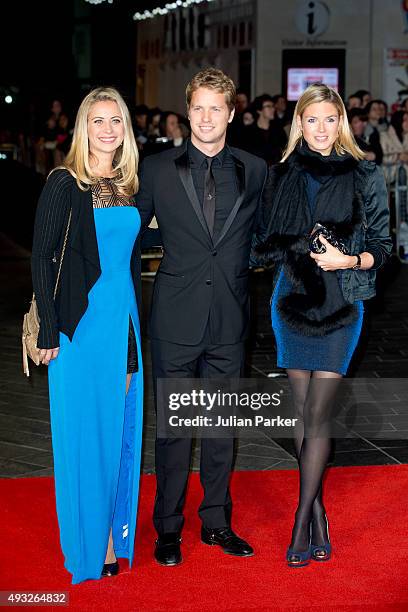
[[200, 278]]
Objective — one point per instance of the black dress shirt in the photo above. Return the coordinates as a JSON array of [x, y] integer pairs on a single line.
[[226, 182]]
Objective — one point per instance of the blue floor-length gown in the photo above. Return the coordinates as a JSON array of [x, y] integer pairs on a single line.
[[96, 426]]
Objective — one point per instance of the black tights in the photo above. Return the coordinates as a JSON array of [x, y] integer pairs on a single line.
[[313, 394]]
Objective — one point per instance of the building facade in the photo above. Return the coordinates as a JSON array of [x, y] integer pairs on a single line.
[[276, 46]]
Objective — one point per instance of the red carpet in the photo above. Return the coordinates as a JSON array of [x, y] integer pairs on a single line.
[[367, 508]]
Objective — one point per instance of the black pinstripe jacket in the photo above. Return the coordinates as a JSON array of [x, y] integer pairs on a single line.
[[80, 268]]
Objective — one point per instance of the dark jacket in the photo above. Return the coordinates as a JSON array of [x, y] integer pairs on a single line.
[[80, 268], [200, 279], [372, 145], [370, 233]]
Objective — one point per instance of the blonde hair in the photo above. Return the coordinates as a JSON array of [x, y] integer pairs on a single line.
[[126, 159], [318, 92], [215, 79]]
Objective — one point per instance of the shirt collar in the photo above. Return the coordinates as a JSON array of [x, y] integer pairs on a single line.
[[198, 158]]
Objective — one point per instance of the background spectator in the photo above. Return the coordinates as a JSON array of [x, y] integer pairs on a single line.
[[372, 133], [153, 127], [64, 139], [241, 102], [358, 122], [404, 105], [235, 128], [354, 101], [173, 132], [266, 137], [140, 124], [365, 96], [394, 143], [46, 157], [383, 120], [169, 125], [249, 116], [281, 109]]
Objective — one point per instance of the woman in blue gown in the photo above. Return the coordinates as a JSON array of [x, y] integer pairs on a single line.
[[317, 304], [90, 335]]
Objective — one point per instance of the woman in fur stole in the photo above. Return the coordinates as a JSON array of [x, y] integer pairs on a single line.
[[317, 304]]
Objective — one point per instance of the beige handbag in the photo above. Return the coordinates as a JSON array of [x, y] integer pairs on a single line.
[[31, 321]]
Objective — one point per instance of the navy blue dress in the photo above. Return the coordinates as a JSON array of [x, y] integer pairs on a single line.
[[331, 352]]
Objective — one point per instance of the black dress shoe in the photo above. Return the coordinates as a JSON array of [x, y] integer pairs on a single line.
[[110, 569], [167, 551], [228, 540]]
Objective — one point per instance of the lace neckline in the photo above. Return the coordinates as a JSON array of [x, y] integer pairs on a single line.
[[105, 194]]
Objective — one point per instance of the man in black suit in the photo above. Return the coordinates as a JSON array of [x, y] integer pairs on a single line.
[[205, 196]]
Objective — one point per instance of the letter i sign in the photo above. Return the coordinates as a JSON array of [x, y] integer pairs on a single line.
[[312, 17]]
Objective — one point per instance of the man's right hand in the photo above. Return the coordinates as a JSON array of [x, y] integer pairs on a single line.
[[47, 354]]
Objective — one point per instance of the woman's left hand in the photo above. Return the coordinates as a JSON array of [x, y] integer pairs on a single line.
[[332, 259]]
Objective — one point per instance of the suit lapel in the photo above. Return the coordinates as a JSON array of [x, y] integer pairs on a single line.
[[184, 172], [240, 169]]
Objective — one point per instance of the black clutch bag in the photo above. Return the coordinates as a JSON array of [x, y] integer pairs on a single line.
[[317, 247]]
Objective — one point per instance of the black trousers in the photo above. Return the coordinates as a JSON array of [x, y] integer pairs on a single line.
[[173, 456]]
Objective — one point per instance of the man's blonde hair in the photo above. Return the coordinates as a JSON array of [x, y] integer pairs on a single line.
[[215, 79]]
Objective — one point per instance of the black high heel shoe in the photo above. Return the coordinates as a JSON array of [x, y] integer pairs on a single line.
[[322, 552], [110, 569]]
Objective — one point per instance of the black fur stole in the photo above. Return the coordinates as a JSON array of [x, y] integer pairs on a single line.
[[316, 304]]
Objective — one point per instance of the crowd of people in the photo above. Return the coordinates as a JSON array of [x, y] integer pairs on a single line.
[[260, 126], [52, 142]]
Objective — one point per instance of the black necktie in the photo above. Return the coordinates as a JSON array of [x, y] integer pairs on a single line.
[[209, 197]]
